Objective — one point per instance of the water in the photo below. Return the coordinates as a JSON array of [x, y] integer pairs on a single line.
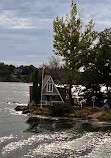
[[27, 136]]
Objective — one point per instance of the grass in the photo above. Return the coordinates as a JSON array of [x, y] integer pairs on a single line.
[[106, 116], [84, 112]]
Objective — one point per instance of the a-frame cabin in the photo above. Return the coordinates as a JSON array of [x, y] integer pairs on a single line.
[[50, 93]]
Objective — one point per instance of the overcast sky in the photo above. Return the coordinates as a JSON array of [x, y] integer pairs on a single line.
[[26, 26]]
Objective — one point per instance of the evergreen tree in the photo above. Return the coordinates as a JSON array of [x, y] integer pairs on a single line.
[[36, 88]]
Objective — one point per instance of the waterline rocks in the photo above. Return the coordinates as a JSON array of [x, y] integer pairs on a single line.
[[21, 108], [24, 109], [33, 110]]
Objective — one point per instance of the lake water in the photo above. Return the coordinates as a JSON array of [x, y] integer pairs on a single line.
[[26, 136]]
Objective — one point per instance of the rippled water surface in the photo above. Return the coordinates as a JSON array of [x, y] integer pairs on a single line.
[[27, 136]]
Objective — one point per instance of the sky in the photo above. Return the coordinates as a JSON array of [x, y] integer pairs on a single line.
[[26, 27]]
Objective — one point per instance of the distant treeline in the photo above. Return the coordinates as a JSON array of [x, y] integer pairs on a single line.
[[10, 73], [59, 73]]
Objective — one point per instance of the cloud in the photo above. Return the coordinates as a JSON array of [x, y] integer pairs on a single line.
[[97, 10], [10, 20], [26, 26]]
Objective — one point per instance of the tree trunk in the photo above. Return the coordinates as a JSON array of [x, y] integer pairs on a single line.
[[70, 94]]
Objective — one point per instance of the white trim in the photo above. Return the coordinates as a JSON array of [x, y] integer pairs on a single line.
[[49, 87], [57, 91]]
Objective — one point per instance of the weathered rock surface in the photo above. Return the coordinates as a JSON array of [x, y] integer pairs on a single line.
[[21, 108]]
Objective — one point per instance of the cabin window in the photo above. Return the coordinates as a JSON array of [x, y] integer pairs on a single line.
[[49, 87]]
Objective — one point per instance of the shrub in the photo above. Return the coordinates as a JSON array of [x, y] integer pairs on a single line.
[[34, 107], [60, 109]]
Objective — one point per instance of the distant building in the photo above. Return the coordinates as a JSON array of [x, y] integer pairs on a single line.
[[17, 71]]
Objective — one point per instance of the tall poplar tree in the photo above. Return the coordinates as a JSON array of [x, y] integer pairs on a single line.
[[36, 88], [73, 41]]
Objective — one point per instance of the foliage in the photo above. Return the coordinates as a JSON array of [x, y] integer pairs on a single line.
[[103, 59], [54, 68], [103, 56], [7, 73], [60, 109], [73, 41], [98, 68], [100, 64], [58, 70], [93, 94]]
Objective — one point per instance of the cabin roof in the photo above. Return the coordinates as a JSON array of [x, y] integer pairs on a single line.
[[46, 78]]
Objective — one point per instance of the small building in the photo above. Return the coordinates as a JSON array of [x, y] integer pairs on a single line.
[[51, 93]]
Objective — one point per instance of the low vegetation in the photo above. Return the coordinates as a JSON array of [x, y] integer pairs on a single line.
[[86, 111], [64, 109], [106, 116], [60, 109]]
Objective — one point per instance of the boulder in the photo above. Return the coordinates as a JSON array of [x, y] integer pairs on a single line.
[[25, 111], [21, 108]]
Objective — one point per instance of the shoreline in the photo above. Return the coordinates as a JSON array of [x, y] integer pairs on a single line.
[[76, 115]]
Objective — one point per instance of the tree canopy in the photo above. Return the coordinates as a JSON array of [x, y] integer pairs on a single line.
[[72, 40]]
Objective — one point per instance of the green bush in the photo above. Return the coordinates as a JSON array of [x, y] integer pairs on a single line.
[[60, 109]]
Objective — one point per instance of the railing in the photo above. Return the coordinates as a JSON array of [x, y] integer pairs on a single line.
[[55, 102]]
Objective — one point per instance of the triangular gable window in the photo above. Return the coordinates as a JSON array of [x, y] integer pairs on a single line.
[[49, 87]]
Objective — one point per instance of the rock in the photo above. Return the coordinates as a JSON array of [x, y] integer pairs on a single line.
[[33, 120], [71, 115], [26, 111], [21, 108]]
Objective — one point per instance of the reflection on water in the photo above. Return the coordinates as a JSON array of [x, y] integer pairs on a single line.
[[62, 138], [68, 138], [48, 125], [45, 124]]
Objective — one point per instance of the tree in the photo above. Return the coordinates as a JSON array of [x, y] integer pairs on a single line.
[[103, 56], [103, 59], [98, 66], [73, 41], [53, 68], [36, 88], [54, 62]]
